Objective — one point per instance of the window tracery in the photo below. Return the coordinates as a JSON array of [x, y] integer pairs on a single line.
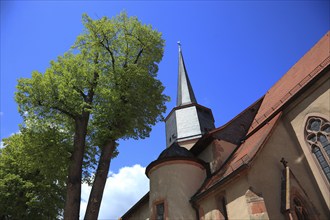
[[318, 137]]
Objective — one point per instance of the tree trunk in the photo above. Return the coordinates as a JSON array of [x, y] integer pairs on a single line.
[[72, 202], [95, 197]]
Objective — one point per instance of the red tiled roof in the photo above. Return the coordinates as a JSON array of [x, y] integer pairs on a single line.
[[312, 63], [305, 70]]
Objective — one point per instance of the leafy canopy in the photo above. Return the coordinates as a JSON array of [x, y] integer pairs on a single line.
[[33, 168], [111, 73], [103, 89]]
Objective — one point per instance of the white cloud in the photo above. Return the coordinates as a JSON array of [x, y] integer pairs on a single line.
[[122, 190], [1, 145]]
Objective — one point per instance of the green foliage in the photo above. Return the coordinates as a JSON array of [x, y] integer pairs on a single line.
[[33, 168], [115, 60], [103, 89], [56, 91], [129, 98]]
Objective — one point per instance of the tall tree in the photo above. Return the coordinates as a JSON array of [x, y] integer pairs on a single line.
[[107, 87]]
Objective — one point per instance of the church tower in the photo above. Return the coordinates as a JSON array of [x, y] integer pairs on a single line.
[[188, 121]]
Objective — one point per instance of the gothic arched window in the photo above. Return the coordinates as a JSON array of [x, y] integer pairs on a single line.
[[318, 137]]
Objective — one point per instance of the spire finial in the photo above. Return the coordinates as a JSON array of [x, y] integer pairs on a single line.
[[179, 44]]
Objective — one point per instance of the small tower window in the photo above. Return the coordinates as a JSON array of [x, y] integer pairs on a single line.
[[318, 137], [160, 211]]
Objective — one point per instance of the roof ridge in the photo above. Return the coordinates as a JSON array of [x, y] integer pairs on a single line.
[[314, 61], [290, 93]]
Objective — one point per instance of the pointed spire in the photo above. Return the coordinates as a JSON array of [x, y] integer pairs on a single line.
[[185, 92]]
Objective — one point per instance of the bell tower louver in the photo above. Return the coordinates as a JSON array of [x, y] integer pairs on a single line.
[[188, 121]]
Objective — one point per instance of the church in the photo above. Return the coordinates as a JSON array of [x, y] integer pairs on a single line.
[[271, 161]]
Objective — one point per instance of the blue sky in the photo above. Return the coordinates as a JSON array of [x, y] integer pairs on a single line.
[[234, 51]]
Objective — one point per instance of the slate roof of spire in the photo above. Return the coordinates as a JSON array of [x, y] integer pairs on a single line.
[[185, 92]]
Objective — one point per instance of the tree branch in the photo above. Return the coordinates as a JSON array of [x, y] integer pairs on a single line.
[[138, 39], [81, 93], [101, 41], [111, 53], [126, 41], [91, 92], [126, 54], [71, 115], [142, 45], [138, 56]]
